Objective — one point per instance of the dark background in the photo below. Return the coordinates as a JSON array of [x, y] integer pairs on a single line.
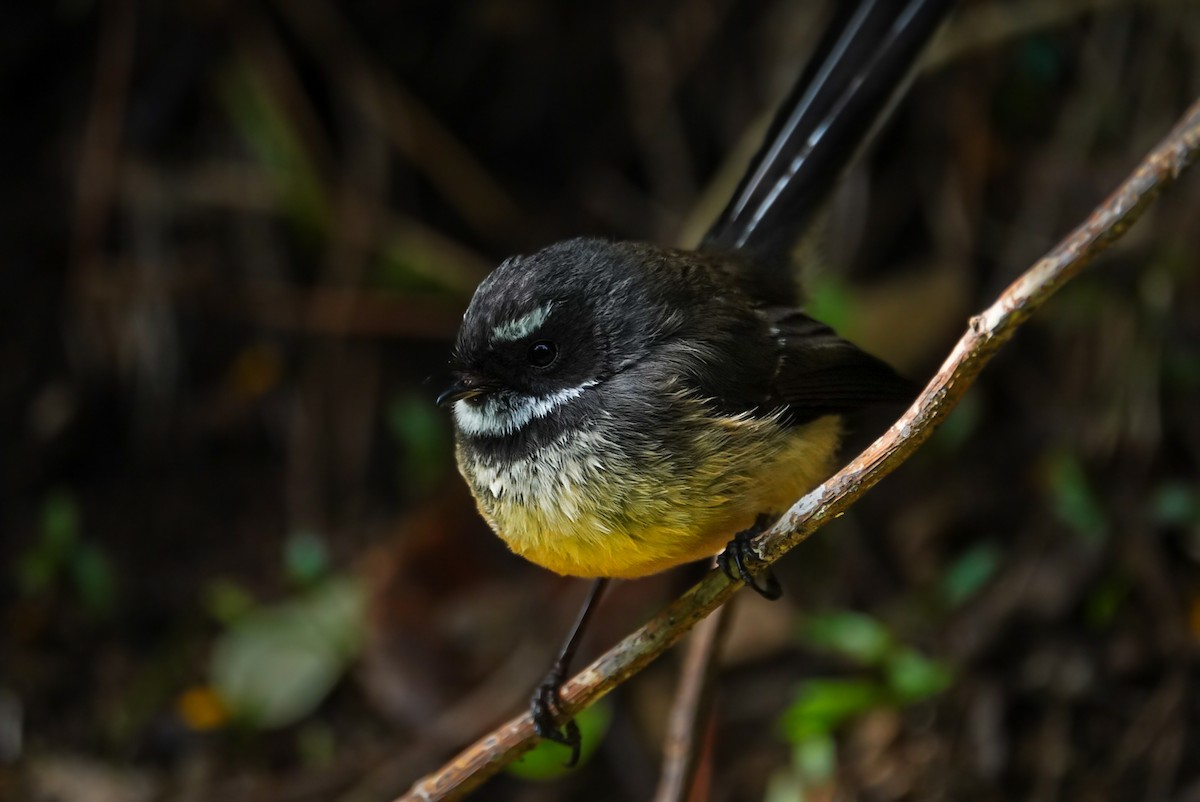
[[237, 562]]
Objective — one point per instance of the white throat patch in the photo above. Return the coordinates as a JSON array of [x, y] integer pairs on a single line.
[[508, 413], [523, 326]]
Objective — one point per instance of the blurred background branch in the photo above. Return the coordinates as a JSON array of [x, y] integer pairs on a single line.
[[688, 750]]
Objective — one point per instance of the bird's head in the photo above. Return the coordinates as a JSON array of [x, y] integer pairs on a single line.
[[544, 331]]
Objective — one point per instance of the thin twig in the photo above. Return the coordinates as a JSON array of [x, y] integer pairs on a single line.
[[95, 180], [408, 124], [287, 307], [692, 708], [984, 336], [244, 189], [985, 27]]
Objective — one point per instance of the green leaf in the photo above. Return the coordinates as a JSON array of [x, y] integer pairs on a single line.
[[970, 573], [914, 677], [1175, 504], [784, 786], [815, 758], [273, 139], [547, 760], [1105, 601], [830, 301], [60, 526], [94, 579], [36, 572], [276, 664], [1074, 502], [227, 601], [822, 705], [423, 433], [61, 555], [853, 635], [305, 558], [411, 266], [960, 424]]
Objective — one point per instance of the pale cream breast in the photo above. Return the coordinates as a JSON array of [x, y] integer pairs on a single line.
[[583, 506]]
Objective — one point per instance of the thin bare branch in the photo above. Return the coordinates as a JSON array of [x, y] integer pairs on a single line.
[[408, 124], [686, 731], [100, 153], [985, 27], [984, 336]]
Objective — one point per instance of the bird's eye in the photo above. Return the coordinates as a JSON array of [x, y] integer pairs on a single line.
[[542, 353]]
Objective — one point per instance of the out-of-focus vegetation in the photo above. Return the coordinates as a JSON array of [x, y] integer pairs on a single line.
[[238, 564]]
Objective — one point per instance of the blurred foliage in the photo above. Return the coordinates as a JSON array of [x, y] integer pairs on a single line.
[[829, 300], [900, 676], [265, 127], [305, 559], [276, 663], [62, 559], [904, 676], [956, 430], [821, 706], [422, 432], [242, 565], [1176, 504], [1073, 499], [967, 575], [853, 635], [813, 768]]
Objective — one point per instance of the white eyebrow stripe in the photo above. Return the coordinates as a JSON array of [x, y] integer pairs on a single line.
[[508, 415], [523, 326]]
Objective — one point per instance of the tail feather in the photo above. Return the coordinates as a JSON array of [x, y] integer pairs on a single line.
[[861, 61]]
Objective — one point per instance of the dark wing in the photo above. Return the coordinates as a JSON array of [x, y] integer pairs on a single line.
[[819, 373], [861, 61], [781, 359]]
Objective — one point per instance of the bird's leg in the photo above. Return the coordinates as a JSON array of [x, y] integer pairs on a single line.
[[738, 561], [544, 705]]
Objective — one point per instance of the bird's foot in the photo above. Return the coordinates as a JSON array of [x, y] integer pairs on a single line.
[[545, 709], [740, 563]]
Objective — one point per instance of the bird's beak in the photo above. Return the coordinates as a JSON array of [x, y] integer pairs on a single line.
[[464, 387]]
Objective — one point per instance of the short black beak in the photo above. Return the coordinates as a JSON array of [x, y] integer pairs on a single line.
[[464, 387]]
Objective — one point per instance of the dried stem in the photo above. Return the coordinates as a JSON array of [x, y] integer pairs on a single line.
[[692, 708], [100, 147], [984, 336], [407, 123]]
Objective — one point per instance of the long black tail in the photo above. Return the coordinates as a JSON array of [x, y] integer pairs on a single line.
[[862, 59]]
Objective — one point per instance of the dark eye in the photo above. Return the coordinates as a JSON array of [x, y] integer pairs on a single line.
[[542, 353]]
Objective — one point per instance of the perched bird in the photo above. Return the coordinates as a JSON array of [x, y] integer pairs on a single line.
[[621, 408], [624, 408]]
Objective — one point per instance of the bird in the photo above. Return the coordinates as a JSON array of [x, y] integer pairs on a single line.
[[621, 408]]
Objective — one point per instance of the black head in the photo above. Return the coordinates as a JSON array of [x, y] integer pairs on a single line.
[[547, 328]]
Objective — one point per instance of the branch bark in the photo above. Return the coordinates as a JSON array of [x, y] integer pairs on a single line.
[[985, 334]]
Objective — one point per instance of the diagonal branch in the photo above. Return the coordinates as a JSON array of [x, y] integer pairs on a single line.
[[984, 336]]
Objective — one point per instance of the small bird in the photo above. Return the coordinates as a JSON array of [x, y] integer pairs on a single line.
[[621, 408]]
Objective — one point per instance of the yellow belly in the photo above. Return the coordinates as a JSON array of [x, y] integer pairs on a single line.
[[584, 509]]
